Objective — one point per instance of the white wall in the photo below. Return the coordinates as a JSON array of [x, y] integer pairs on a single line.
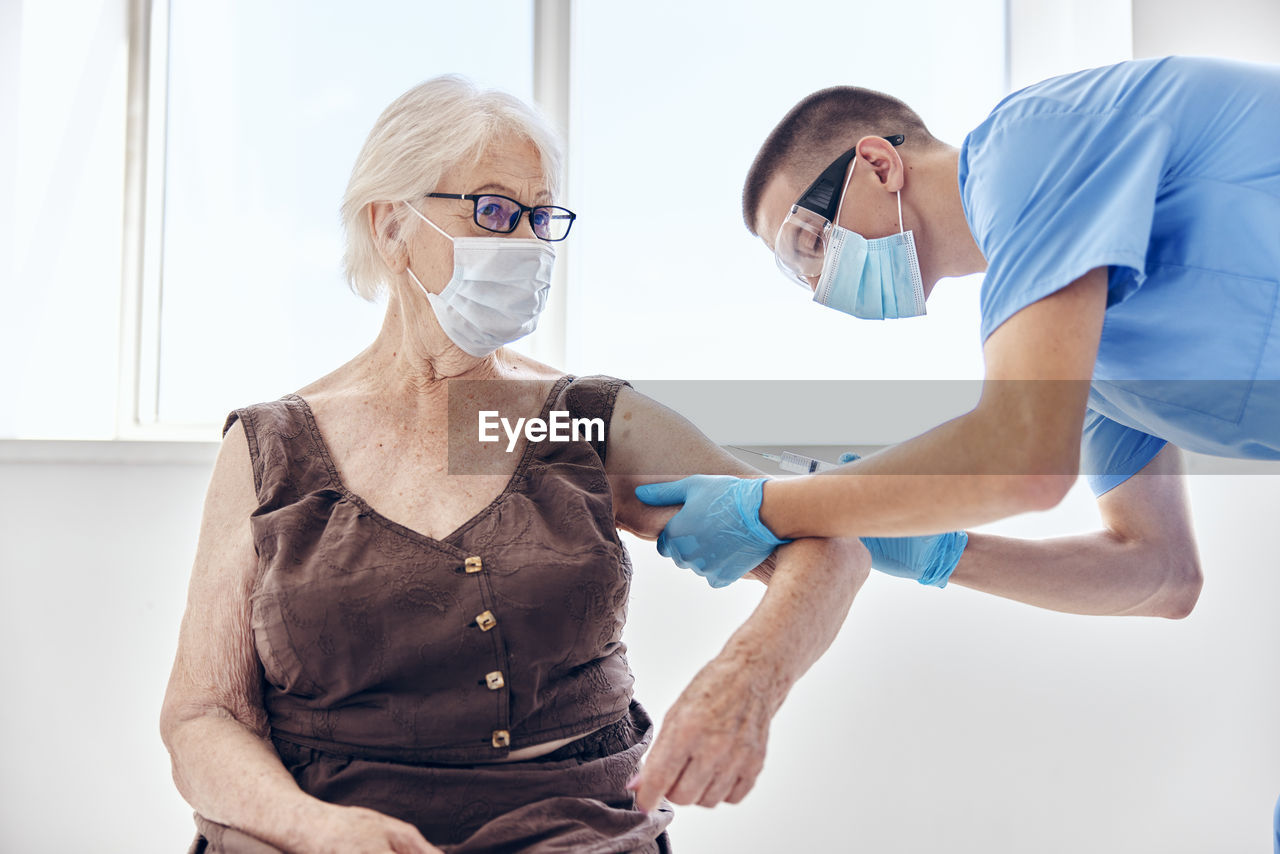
[[1051, 37], [941, 720], [1243, 29], [94, 560]]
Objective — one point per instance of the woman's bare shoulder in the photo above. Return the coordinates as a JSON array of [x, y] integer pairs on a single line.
[[519, 366]]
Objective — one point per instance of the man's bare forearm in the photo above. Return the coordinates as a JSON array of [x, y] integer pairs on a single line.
[[958, 475], [1017, 450], [1144, 562], [1096, 573]]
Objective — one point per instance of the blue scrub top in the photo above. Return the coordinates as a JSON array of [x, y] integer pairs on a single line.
[[1167, 171]]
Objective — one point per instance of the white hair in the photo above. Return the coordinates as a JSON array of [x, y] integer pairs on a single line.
[[437, 125]]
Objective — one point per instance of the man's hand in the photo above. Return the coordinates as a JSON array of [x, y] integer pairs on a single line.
[[717, 533], [712, 743]]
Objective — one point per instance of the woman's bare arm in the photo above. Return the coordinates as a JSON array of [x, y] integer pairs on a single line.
[[650, 443], [212, 720], [712, 743]]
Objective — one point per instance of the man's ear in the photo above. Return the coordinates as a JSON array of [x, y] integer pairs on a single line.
[[385, 226], [884, 160]]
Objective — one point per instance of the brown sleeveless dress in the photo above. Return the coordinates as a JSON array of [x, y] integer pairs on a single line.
[[397, 665]]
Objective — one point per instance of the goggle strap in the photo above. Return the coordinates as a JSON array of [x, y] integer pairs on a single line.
[[853, 165]]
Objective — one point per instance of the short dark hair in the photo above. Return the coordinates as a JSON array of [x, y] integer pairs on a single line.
[[823, 126]]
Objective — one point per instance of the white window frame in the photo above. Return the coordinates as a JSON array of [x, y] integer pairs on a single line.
[[137, 384]]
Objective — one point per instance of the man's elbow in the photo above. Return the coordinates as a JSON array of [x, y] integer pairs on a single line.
[[1182, 587], [1038, 471], [1042, 491]]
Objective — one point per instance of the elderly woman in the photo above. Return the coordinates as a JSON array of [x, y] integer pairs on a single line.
[[401, 639]]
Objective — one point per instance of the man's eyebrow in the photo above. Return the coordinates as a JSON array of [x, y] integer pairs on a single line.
[[543, 197]]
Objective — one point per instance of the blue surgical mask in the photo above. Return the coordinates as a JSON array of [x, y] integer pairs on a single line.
[[873, 279]]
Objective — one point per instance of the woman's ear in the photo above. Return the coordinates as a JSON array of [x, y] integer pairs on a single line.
[[384, 225]]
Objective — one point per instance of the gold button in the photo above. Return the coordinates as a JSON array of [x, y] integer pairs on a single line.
[[494, 680], [473, 564], [501, 738], [486, 621]]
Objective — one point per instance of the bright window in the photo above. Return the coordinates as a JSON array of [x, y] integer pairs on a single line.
[[668, 283], [63, 69], [269, 104]]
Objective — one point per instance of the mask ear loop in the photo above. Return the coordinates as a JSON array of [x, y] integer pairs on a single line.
[[423, 217], [840, 207], [408, 269]]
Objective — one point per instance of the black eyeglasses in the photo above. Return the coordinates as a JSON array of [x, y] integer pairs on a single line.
[[502, 214]]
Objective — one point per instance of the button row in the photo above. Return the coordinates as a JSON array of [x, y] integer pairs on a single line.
[[492, 680]]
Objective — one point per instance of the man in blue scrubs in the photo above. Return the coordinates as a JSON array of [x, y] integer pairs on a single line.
[[1128, 221]]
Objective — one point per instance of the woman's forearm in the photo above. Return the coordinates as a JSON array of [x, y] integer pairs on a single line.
[[713, 740], [810, 591], [1096, 573], [231, 775]]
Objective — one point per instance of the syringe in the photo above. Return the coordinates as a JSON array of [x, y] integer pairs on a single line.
[[792, 462]]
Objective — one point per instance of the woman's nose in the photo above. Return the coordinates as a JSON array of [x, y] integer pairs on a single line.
[[525, 227]]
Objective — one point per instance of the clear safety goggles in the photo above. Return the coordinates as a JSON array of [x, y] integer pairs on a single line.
[[800, 246]]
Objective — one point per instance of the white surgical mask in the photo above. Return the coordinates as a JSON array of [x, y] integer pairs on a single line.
[[498, 289]]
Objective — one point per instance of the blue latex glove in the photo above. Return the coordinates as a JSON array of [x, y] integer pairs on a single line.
[[718, 533], [929, 559]]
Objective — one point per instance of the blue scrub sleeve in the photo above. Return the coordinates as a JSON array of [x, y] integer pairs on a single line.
[[1051, 193], [1276, 826], [1111, 453]]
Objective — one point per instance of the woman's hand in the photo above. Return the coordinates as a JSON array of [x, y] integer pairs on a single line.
[[712, 743], [357, 830]]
